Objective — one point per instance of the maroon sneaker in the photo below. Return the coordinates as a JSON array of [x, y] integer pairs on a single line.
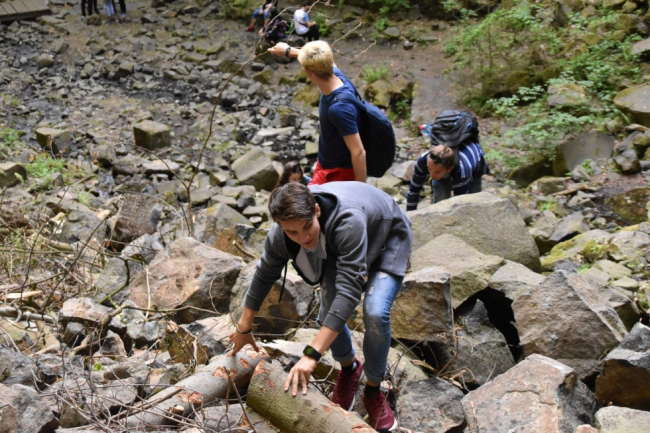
[[346, 387], [380, 414], [250, 29]]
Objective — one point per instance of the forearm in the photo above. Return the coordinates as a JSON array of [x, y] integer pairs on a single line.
[[246, 320], [359, 166], [324, 339]]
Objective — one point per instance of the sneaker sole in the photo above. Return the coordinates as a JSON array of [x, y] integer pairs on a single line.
[[392, 429]]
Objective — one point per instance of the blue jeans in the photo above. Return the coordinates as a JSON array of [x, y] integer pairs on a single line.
[[257, 13], [442, 188], [381, 290]]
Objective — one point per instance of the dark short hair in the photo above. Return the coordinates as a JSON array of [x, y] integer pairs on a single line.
[[290, 202], [443, 155], [290, 168], [305, 3]]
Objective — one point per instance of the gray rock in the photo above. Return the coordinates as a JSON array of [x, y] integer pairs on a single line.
[[626, 245], [189, 273], [614, 419], [104, 155], [139, 215], [221, 216], [44, 61], [537, 395], [11, 173], [125, 69], [114, 277], [567, 96], [549, 314], [16, 368], [551, 185], [542, 230], [256, 168], [625, 380], [274, 317], [82, 310], [470, 270], [61, 139], [423, 305], [593, 145], [392, 32], [482, 349], [628, 162], [482, 220], [641, 47], [24, 412], [634, 102], [81, 226], [403, 170], [113, 346], [158, 166], [210, 336], [151, 135], [568, 227], [514, 279], [431, 405]]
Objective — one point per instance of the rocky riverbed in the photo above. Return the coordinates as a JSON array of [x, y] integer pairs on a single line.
[[137, 160]]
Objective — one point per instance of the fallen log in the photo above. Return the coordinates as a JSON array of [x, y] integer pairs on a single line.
[[312, 412], [206, 385]]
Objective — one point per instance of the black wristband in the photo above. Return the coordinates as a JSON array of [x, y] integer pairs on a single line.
[[287, 51], [312, 353], [243, 333]]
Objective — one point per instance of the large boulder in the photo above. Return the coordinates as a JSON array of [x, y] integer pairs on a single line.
[[11, 173], [470, 270], [431, 405], [631, 205], [592, 145], [188, 274], [614, 419], [423, 305], [256, 168], [152, 135], [548, 316], [514, 279], [531, 169], [21, 411], [482, 350], [221, 217], [82, 226], [483, 221], [274, 317], [625, 380], [538, 395], [567, 96], [15, 368], [633, 101]]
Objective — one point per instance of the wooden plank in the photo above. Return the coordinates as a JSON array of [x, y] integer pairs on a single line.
[[19, 6], [2, 10], [35, 6]]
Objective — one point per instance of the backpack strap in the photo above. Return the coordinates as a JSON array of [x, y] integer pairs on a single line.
[[284, 280], [357, 100]]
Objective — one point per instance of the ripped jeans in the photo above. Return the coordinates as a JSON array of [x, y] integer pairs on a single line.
[[381, 290]]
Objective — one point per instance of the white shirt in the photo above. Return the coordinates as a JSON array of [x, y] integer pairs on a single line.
[[300, 20], [310, 262]]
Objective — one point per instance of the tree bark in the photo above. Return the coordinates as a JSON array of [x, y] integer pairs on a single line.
[[312, 412], [203, 387]]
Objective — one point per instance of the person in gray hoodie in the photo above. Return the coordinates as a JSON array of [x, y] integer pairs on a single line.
[[350, 238]]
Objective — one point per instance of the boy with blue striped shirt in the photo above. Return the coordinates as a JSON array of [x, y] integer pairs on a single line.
[[449, 171]]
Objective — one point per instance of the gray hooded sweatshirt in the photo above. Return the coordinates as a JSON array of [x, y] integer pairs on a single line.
[[365, 231]]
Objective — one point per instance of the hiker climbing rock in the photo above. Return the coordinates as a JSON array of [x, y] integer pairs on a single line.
[[326, 231]]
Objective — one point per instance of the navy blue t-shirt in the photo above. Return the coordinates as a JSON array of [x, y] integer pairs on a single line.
[[335, 123]]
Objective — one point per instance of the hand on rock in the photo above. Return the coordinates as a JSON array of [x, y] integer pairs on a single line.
[[240, 341]]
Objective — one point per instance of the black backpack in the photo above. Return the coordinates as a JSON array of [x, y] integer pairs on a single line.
[[453, 128], [376, 133]]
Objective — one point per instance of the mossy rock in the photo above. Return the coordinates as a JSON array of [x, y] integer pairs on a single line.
[[630, 23], [517, 79], [402, 89], [378, 93], [614, 4], [550, 73], [631, 205], [593, 251], [572, 249], [634, 102], [535, 167], [307, 95], [240, 10]]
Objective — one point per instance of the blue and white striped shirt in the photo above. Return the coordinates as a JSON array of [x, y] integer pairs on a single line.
[[471, 164]]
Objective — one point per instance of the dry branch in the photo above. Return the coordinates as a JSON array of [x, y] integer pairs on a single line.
[[209, 383], [311, 412]]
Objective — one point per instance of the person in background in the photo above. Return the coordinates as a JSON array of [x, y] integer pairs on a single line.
[[305, 28], [122, 16], [341, 155], [350, 238], [110, 9], [91, 4], [293, 172], [276, 28], [449, 172], [264, 10]]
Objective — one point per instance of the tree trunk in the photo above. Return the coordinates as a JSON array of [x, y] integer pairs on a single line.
[[312, 412], [203, 387]]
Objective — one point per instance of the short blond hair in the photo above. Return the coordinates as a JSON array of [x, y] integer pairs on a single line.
[[317, 56]]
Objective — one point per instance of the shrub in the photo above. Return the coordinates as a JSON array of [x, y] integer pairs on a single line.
[[375, 73]]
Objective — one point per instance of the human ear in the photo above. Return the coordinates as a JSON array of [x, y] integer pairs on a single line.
[[317, 211]]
